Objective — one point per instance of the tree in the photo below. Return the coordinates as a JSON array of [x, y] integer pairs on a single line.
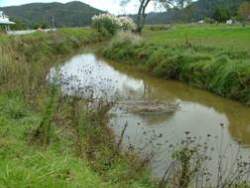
[[244, 11], [19, 25], [143, 4], [41, 25], [221, 14]]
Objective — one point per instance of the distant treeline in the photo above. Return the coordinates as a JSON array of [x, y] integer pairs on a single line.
[[78, 14], [217, 10], [43, 15]]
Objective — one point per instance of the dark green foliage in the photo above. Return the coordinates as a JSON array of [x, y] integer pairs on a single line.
[[19, 25], [40, 26], [198, 10], [221, 14], [73, 14]]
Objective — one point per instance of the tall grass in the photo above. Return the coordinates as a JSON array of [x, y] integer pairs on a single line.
[[25, 60], [222, 71], [80, 150]]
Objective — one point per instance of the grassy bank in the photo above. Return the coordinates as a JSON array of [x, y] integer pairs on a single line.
[[227, 37], [29, 57], [49, 140], [215, 58]]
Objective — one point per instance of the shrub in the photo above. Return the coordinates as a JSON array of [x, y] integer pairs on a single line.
[[108, 24], [221, 14], [126, 37], [127, 23], [122, 46], [244, 11], [209, 20]]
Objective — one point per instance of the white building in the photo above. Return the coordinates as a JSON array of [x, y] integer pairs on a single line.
[[229, 22], [201, 22], [5, 22]]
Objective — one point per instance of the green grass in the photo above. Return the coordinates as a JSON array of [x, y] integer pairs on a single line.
[[24, 164], [80, 150], [235, 38], [215, 58], [27, 166]]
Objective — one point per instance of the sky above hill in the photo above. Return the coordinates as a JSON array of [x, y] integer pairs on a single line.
[[113, 6]]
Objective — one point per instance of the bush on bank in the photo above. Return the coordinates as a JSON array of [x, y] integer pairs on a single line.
[[220, 71], [108, 24]]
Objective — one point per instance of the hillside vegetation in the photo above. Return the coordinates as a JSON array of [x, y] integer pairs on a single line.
[[76, 14], [215, 58], [196, 11], [73, 14]]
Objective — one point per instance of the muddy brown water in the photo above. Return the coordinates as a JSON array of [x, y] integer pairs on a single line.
[[223, 124]]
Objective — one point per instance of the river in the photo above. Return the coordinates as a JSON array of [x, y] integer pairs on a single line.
[[222, 124]]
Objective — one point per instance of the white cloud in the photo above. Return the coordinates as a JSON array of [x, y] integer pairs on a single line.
[[112, 6]]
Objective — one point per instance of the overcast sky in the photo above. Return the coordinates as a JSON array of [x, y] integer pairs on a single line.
[[112, 6]]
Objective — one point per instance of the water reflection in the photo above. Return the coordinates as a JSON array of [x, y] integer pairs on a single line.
[[237, 114], [88, 76], [158, 135], [200, 112]]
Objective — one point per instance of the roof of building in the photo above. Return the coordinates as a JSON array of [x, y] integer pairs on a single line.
[[4, 20]]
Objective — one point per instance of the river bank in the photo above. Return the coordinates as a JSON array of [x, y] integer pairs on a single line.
[[196, 55], [47, 139], [154, 117]]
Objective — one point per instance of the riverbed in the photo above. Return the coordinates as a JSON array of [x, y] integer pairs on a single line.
[[220, 124]]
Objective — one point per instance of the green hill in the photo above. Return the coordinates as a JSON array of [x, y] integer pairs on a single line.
[[73, 14], [196, 11], [76, 14]]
